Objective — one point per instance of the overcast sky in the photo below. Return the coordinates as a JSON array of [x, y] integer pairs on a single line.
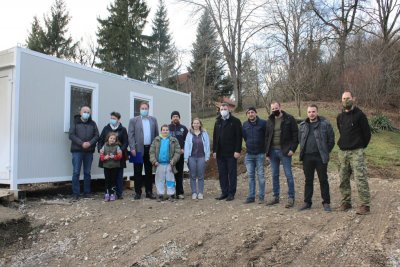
[[16, 17]]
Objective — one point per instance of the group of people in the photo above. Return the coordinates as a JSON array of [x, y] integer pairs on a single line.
[[164, 151]]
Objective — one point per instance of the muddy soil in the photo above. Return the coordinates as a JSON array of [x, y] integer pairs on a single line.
[[206, 232]]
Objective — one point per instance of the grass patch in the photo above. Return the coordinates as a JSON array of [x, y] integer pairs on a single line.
[[383, 152]]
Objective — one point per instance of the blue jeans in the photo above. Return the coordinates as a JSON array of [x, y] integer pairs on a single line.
[[255, 163], [197, 168], [77, 159], [227, 169], [276, 157]]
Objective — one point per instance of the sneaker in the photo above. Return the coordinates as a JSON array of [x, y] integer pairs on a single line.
[[171, 199], [160, 198], [290, 203], [249, 200], [200, 196], [106, 197], [136, 196], [150, 196], [87, 195], [194, 196], [363, 210], [261, 201], [181, 196], [327, 207], [274, 200], [75, 198], [305, 206], [345, 207], [112, 197]]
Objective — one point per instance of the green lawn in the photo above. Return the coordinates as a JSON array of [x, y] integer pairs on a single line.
[[383, 152]]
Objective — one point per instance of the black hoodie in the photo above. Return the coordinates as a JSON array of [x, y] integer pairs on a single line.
[[354, 129], [83, 131]]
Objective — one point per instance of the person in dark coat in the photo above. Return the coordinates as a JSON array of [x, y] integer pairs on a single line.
[[115, 126], [227, 145], [84, 135], [179, 131], [281, 142]]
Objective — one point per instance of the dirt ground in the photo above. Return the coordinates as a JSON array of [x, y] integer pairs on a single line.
[[90, 232]]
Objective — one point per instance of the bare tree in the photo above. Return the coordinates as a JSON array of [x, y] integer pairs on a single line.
[[236, 23], [340, 16]]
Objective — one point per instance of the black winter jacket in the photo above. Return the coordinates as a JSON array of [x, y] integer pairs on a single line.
[[289, 133], [254, 136], [227, 136], [122, 139], [81, 132], [354, 129], [178, 131], [324, 137]]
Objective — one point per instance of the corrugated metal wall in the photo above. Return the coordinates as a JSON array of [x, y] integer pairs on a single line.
[[44, 148]]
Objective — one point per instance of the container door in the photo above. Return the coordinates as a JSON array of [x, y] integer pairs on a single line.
[[5, 128]]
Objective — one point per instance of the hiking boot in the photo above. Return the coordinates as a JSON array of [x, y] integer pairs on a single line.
[[305, 206], [194, 196], [273, 201], [106, 197], [137, 196], [249, 200], [112, 197], [200, 196], [345, 207], [150, 196], [363, 210], [327, 207], [290, 203]]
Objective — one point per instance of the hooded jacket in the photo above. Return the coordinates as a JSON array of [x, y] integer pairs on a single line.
[[83, 131], [289, 133], [324, 137], [354, 129]]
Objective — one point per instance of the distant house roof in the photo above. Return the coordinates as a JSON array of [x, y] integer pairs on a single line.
[[227, 100]]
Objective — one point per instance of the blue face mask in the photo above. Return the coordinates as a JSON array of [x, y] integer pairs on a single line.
[[144, 112], [85, 116], [113, 122]]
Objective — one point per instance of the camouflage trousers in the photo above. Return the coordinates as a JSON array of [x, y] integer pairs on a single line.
[[353, 162]]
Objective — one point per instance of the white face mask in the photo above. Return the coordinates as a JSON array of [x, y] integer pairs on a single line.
[[224, 113]]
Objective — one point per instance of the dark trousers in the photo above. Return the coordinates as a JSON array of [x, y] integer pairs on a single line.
[[227, 169], [120, 182], [147, 179], [312, 162], [110, 175], [179, 176]]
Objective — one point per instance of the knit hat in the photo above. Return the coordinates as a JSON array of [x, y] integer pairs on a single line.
[[251, 108], [175, 113]]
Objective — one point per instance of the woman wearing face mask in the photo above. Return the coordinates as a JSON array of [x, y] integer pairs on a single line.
[[115, 126]]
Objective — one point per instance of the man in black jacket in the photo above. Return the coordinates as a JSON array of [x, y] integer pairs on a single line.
[[355, 135], [317, 140], [281, 140], [179, 131], [83, 135], [227, 145]]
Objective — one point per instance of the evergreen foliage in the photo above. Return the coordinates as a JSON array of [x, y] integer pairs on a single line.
[[123, 49], [163, 53], [52, 39]]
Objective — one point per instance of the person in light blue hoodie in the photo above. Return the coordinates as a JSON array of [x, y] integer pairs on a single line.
[[196, 154]]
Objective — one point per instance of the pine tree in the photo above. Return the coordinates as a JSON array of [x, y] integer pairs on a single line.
[[36, 37], [206, 68], [52, 39], [123, 47], [163, 55]]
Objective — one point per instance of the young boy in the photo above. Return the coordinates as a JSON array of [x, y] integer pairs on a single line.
[[164, 153]]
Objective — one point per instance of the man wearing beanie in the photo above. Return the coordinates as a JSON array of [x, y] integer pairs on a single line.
[[179, 131], [254, 136]]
